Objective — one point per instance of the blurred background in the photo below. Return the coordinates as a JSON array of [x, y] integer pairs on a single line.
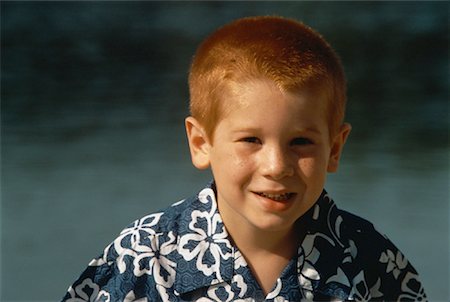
[[93, 98]]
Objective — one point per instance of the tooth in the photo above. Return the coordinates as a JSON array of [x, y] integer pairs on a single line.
[[276, 197]]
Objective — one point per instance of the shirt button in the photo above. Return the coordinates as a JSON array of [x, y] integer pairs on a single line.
[[279, 299]]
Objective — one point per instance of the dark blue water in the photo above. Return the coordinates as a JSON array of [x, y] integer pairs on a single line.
[[93, 100]]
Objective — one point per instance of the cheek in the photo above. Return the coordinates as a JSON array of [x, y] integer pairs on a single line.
[[233, 164], [239, 166], [312, 167], [239, 158], [241, 169], [306, 166]]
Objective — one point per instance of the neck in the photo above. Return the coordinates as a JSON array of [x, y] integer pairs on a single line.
[[266, 252], [252, 241]]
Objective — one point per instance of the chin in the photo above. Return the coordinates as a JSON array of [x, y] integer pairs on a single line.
[[274, 224]]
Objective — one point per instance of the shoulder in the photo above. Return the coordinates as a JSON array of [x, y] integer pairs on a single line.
[[165, 220], [155, 232], [172, 219], [380, 269], [349, 230], [357, 228], [367, 242], [146, 247], [176, 218]]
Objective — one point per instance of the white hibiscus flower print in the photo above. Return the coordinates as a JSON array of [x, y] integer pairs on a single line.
[[130, 297], [239, 281], [239, 260], [88, 291], [412, 289], [221, 292], [208, 236], [276, 291], [152, 260], [308, 256], [360, 290], [133, 238], [395, 263], [141, 228]]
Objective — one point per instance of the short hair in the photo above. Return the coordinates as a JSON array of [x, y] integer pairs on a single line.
[[289, 53]]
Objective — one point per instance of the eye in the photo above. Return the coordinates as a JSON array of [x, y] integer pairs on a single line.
[[251, 140], [301, 141]]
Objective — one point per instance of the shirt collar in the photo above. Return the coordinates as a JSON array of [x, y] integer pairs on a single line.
[[205, 253], [322, 245]]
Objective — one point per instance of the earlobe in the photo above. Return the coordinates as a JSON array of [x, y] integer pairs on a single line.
[[337, 147], [198, 143]]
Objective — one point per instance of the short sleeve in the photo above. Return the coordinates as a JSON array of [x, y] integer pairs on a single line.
[[126, 269], [386, 273], [89, 286]]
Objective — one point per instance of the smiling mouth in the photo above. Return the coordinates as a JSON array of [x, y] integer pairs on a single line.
[[276, 197]]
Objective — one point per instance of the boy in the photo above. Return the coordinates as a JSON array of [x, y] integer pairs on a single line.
[[267, 108]]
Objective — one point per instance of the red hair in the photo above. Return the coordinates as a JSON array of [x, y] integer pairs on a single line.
[[291, 54]]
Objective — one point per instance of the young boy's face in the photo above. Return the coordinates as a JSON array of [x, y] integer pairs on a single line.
[[269, 156]]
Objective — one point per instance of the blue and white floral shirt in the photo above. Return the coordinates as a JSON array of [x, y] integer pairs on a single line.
[[185, 254]]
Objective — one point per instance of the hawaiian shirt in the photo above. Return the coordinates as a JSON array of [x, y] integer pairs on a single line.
[[185, 254]]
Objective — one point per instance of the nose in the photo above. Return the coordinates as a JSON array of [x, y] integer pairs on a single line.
[[276, 163]]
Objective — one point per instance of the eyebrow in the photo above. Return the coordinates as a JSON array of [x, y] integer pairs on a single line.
[[296, 130], [309, 129]]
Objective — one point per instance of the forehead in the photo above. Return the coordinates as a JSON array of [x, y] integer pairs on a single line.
[[259, 91], [263, 107]]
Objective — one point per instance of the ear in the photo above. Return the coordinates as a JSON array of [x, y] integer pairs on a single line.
[[337, 146], [198, 143]]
